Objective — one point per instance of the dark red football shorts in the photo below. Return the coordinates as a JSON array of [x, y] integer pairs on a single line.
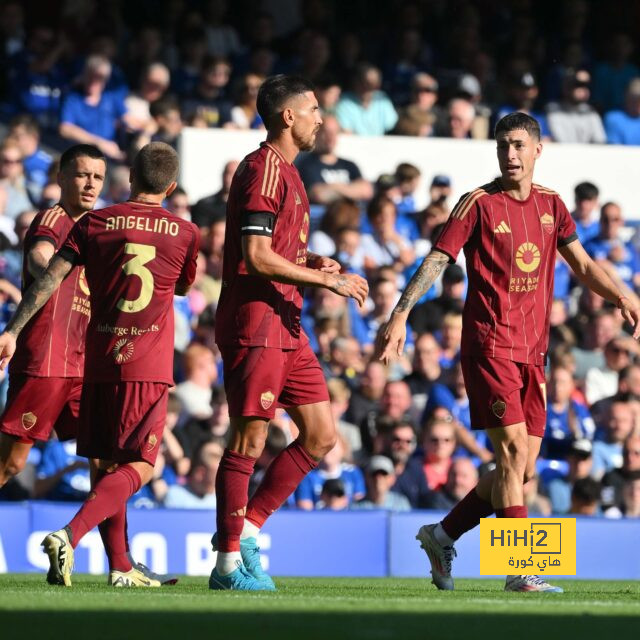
[[122, 421], [259, 379], [502, 392], [35, 406]]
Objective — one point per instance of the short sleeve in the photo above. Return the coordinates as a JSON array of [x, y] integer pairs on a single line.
[[566, 226], [261, 187], [50, 227], [69, 110], [75, 247], [188, 274], [459, 226], [354, 171]]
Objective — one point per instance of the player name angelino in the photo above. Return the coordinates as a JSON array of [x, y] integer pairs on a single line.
[[143, 223], [125, 331]]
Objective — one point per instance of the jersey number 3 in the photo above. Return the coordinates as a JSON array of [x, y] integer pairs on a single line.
[[142, 253]]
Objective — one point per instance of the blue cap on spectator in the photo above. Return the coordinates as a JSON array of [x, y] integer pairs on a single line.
[[441, 181]]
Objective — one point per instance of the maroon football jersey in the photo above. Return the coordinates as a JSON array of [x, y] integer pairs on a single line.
[[52, 342], [133, 254], [510, 250], [253, 311]]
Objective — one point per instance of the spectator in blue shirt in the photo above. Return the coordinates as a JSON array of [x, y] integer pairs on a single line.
[[25, 131], [586, 203], [93, 115], [609, 441], [332, 466], [609, 248], [366, 110], [61, 474], [380, 477], [567, 420], [623, 127]]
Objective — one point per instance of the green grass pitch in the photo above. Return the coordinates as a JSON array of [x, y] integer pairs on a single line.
[[310, 608]]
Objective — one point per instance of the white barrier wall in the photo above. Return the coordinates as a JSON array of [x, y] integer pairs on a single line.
[[469, 163]]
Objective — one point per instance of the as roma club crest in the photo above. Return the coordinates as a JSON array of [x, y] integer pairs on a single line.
[[152, 442], [547, 222], [266, 399], [499, 408], [29, 420]]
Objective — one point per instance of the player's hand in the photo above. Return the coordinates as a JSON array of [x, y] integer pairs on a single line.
[[7, 348], [349, 285], [391, 338], [328, 265], [631, 315]]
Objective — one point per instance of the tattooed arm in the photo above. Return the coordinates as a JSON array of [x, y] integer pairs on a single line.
[[392, 335], [34, 299]]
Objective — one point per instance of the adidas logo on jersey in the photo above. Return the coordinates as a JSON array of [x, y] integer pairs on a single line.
[[503, 227]]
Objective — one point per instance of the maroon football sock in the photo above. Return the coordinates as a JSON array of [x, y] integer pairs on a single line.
[[280, 481], [113, 532], [232, 493], [466, 515], [108, 497], [519, 511]]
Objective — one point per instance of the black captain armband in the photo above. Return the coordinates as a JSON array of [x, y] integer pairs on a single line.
[[257, 223], [563, 242], [69, 255]]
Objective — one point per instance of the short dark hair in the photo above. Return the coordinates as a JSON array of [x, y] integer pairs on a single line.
[[586, 191], [27, 121], [155, 167], [586, 490], [162, 106], [406, 172], [518, 120], [275, 91], [377, 203], [78, 151]]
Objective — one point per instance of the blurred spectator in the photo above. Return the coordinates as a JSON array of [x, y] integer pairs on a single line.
[[62, 475], [438, 444], [328, 177], [340, 214], [345, 360], [365, 398], [332, 467], [400, 446], [200, 490], [119, 187], [193, 49], [612, 76], [153, 84], [167, 121], [631, 496], [586, 202], [428, 316], [460, 119], [339, 395], [522, 94], [602, 382], [333, 496], [36, 76], [536, 503], [462, 477], [623, 127], [408, 178], [469, 88], [419, 117], [11, 257], [395, 405], [380, 477], [384, 245], [425, 370], [213, 245], [609, 441], [328, 92], [440, 190], [574, 119], [585, 497], [601, 325], [244, 113], [14, 197], [613, 481], [558, 487], [24, 130], [222, 38], [172, 448], [365, 109], [567, 420], [12, 33], [208, 101], [450, 339], [92, 114], [178, 204], [212, 207], [201, 374], [609, 248]]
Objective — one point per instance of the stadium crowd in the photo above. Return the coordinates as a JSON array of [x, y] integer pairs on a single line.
[[405, 439]]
